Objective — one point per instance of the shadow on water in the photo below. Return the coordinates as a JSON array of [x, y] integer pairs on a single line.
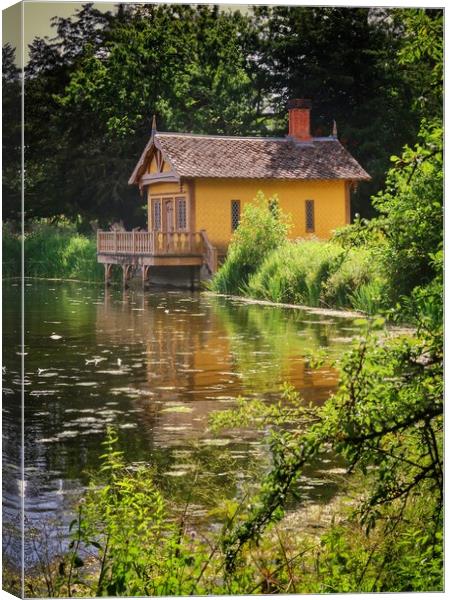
[[155, 365]]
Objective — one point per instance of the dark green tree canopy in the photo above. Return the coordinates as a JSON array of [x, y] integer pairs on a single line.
[[91, 90]]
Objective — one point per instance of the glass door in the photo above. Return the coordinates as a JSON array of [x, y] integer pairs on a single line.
[[168, 215]]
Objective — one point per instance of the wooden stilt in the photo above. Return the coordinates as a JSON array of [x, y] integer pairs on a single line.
[[145, 276], [108, 268], [192, 274], [126, 274]]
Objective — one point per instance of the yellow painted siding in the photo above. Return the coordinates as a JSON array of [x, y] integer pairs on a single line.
[[213, 204], [166, 188]]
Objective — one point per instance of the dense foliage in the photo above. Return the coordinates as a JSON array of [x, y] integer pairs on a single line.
[[90, 92], [52, 252]]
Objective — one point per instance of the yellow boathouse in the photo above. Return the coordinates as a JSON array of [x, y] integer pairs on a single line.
[[196, 187]]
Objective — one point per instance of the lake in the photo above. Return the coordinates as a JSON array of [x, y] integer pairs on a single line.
[[154, 365]]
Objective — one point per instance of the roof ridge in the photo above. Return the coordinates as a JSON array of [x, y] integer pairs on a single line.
[[217, 136], [244, 137]]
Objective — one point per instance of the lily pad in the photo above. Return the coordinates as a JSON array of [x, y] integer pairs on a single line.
[[177, 409]]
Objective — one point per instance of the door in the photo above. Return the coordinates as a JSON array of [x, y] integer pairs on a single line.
[[168, 216]]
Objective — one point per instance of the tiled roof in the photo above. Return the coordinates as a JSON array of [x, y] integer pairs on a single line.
[[249, 158]]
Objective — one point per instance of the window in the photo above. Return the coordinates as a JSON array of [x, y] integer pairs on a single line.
[[157, 214], [181, 213], [235, 214], [309, 215]]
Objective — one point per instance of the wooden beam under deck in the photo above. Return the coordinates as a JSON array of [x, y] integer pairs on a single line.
[[139, 260]]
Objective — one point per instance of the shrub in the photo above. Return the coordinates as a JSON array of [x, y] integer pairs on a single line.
[[263, 228]]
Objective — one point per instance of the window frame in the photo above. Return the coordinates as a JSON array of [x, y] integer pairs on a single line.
[[178, 200], [161, 198], [310, 228], [237, 203], [156, 202]]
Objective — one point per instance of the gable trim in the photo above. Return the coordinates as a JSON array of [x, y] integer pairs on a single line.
[[139, 173]]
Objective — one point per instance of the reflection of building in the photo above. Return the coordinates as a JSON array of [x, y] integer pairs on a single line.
[[199, 354], [185, 354]]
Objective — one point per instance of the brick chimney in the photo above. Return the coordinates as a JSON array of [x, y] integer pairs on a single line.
[[299, 119]]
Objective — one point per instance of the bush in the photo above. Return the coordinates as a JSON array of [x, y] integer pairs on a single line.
[[263, 228], [11, 252], [60, 252]]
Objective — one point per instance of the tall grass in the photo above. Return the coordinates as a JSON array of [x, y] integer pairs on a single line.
[[52, 252], [296, 272], [11, 253], [313, 273]]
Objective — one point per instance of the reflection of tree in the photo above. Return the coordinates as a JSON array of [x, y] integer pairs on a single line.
[[12, 436]]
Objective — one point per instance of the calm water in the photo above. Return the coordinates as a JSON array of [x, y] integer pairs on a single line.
[[155, 366]]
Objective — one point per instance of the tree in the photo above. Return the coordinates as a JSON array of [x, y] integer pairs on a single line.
[[411, 209], [12, 136], [188, 65], [61, 145], [347, 61]]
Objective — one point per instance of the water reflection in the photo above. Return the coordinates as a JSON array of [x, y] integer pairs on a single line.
[[12, 480], [155, 365]]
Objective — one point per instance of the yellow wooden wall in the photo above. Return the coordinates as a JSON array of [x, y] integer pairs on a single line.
[[213, 204]]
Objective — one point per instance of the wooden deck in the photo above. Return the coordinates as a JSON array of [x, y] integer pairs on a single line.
[[145, 249]]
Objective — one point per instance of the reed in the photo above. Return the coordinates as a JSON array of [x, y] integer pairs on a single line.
[[313, 273], [52, 252]]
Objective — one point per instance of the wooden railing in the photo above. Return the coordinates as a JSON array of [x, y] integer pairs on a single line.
[[158, 243], [149, 242], [209, 252]]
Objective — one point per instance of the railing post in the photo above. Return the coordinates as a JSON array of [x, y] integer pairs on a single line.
[[115, 241], [134, 242]]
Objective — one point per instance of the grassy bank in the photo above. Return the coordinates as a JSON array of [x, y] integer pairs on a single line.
[[52, 252], [320, 274], [263, 264]]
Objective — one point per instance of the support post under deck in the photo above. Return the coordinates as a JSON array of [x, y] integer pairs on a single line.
[[145, 276], [126, 274], [108, 268]]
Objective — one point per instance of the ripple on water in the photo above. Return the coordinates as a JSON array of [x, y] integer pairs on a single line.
[[217, 346]]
